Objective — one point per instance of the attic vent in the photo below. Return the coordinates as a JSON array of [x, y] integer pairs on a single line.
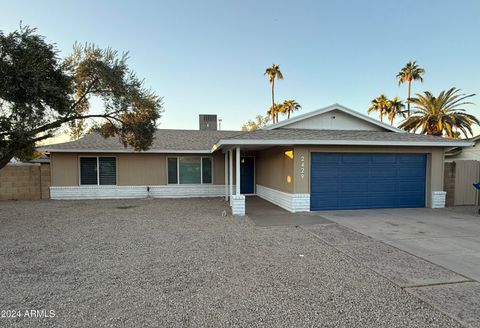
[[208, 122]]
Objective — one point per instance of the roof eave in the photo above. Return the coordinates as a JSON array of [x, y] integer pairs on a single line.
[[127, 151], [239, 142]]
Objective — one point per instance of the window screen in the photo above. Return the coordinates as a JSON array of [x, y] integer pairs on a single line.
[[108, 170], [172, 170], [88, 170], [206, 170], [189, 170]]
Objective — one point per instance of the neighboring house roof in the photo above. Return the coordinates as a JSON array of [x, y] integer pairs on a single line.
[[166, 141], [334, 107], [471, 152], [43, 159], [337, 137]]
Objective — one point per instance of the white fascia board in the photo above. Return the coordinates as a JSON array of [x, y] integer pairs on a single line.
[[328, 109], [162, 151], [231, 142]]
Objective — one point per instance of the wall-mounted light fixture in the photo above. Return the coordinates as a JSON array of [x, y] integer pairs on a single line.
[[289, 154], [289, 179]]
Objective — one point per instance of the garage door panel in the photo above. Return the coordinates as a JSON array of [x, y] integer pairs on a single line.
[[384, 172], [357, 186], [381, 187], [354, 171], [326, 172], [370, 180], [353, 159], [384, 159]]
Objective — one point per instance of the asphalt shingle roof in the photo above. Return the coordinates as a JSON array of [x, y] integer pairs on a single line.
[[165, 139], [353, 135], [204, 140]]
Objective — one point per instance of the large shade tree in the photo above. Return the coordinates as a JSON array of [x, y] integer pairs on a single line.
[[273, 73], [40, 93], [410, 72], [258, 123], [442, 115]]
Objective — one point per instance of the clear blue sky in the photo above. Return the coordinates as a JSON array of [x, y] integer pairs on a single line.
[[209, 56]]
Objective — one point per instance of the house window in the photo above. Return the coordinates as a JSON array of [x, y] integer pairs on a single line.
[[98, 171], [189, 170]]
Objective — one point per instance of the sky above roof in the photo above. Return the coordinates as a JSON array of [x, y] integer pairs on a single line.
[[209, 56]]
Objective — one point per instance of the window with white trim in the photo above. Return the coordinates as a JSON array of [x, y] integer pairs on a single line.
[[189, 170], [98, 170]]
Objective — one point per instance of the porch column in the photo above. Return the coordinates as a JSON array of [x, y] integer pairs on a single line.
[[230, 164], [237, 170], [237, 201], [226, 176]]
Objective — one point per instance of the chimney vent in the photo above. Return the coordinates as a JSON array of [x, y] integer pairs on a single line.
[[208, 122]]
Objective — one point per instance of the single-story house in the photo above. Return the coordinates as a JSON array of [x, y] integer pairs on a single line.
[[328, 159]]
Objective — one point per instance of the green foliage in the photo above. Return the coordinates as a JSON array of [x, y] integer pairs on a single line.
[[380, 105], [259, 122], [410, 72], [289, 106], [39, 93], [440, 115]]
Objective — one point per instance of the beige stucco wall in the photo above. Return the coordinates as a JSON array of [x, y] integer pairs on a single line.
[[435, 167], [132, 169], [273, 167]]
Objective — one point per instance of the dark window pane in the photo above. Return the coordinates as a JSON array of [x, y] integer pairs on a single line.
[[88, 170], [108, 170], [207, 170], [172, 170], [189, 170]]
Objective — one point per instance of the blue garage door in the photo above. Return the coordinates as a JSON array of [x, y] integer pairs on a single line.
[[373, 180]]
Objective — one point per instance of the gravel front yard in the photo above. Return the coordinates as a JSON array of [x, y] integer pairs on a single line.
[[171, 263]]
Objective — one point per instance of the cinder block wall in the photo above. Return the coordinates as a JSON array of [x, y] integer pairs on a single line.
[[25, 182], [449, 183]]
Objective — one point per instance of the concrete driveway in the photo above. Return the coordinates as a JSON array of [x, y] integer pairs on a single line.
[[446, 237]]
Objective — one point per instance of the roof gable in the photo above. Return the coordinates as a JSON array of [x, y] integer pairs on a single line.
[[334, 117]]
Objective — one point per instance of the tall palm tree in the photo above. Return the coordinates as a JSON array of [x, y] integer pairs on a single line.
[[273, 73], [380, 105], [395, 107], [274, 110], [410, 72], [440, 115], [289, 106]]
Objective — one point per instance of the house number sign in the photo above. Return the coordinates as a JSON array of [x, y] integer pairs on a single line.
[[302, 167]]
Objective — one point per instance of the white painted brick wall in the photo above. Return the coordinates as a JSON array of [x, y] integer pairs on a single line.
[[120, 192], [291, 202], [238, 205]]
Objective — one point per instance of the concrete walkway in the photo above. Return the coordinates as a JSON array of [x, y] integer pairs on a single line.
[[266, 214]]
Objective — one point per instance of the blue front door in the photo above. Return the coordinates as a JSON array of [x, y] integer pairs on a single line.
[[247, 172], [367, 180]]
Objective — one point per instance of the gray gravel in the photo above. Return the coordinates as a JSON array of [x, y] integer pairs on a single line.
[[179, 263]]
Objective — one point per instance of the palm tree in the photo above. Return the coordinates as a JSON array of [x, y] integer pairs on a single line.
[[273, 73], [410, 72], [274, 110], [395, 107], [440, 115], [380, 105], [290, 106]]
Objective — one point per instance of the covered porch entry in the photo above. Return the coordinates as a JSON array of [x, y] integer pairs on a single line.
[[242, 164]]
